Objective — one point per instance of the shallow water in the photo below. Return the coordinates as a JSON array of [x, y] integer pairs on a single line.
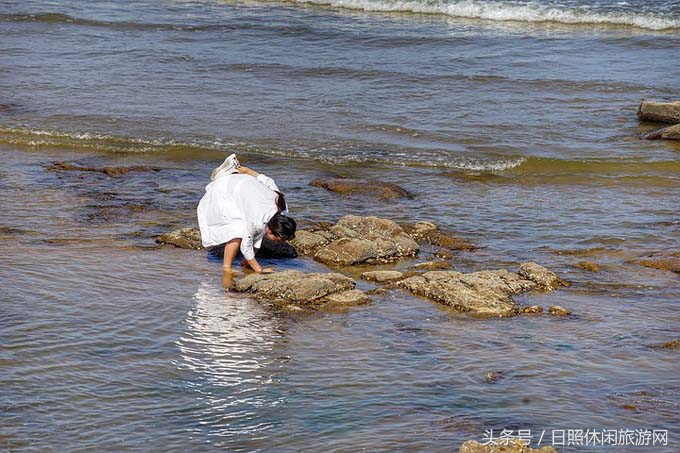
[[520, 136]]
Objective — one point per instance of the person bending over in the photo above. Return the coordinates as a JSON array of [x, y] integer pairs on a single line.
[[239, 208]]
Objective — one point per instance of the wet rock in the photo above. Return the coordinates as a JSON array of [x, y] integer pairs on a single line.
[[557, 310], [381, 276], [544, 278], [665, 133], [588, 266], [494, 377], [358, 240], [472, 446], [109, 171], [532, 310], [659, 400], [662, 112], [443, 254], [308, 242], [673, 344], [433, 265], [429, 233], [485, 293], [307, 291], [184, 238], [345, 299], [7, 107], [669, 261], [379, 189]]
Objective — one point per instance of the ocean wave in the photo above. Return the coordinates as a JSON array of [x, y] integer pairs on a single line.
[[507, 12]]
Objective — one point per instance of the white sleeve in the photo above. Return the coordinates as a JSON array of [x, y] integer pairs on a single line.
[[258, 240], [267, 181], [248, 243]]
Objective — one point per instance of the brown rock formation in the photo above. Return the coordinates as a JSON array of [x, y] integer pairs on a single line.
[[378, 189]]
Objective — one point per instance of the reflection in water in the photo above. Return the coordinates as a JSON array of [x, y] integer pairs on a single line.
[[231, 344]]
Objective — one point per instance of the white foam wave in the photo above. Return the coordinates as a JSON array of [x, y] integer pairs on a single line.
[[506, 11]]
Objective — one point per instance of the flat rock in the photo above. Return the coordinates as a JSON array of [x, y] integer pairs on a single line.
[[662, 112], [484, 293], [378, 189], [588, 266], [546, 279], [357, 240], [381, 276], [433, 266], [669, 261], [665, 133], [307, 291], [472, 446], [429, 233], [108, 171]]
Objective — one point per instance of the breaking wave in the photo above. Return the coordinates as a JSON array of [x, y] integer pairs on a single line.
[[510, 11]]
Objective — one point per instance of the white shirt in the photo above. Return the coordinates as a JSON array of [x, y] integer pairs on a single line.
[[237, 206]]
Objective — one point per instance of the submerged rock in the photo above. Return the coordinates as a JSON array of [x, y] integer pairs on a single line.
[[557, 310], [433, 266], [306, 291], [485, 293], [673, 344], [108, 171], [588, 266], [472, 446], [429, 233], [665, 133], [669, 261], [662, 112], [357, 240], [494, 377], [381, 276], [379, 189]]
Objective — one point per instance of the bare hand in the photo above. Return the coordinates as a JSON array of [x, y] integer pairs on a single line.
[[267, 270]]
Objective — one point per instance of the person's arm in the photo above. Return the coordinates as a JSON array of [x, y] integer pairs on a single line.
[[248, 251], [266, 180]]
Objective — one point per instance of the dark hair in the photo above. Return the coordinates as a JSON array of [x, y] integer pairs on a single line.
[[280, 202], [283, 227]]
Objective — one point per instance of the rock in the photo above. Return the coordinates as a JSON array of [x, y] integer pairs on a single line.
[[557, 310], [307, 291], [663, 112], [494, 377], [429, 233], [348, 298], [665, 133], [485, 293], [545, 278], [669, 261], [109, 171], [472, 446], [379, 189], [381, 276], [532, 310], [443, 254], [433, 265], [588, 266], [184, 238], [307, 242], [673, 344], [369, 240]]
